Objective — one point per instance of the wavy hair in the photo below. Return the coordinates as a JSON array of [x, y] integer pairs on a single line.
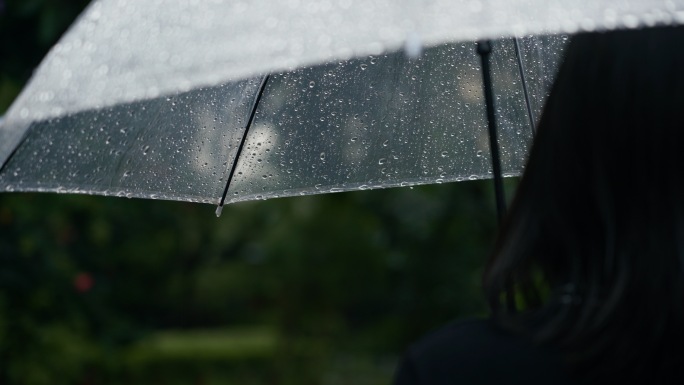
[[590, 258]]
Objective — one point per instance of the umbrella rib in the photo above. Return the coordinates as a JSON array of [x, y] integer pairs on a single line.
[[242, 142], [524, 83], [484, 49], [14, 151]]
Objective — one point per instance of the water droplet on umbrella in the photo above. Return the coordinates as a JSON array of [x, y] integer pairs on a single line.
[[413, 46]]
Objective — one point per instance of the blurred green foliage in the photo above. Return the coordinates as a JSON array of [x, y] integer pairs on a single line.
[[286, 291], [310, 290]]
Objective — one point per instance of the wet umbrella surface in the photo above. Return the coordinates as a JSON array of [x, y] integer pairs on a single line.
[[177, 105]]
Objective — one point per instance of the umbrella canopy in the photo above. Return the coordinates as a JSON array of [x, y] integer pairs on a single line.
[[170, 99]]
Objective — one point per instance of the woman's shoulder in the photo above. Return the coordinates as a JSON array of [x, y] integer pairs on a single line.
[[477, 351]]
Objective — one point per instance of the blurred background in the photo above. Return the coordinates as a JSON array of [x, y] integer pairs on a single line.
[[327, 289]]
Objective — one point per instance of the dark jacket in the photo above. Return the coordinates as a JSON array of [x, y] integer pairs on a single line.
[[478, 352]]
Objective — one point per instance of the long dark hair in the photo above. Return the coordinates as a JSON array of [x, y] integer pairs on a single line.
[[590, 258]]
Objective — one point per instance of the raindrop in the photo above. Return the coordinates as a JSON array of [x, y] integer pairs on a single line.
[[445, 154], [323, 156], [479, 153], [630, 21], [364, 66], [146, 149], [382, 160], [312, 84], [219, 210], [385, 143], [413, 47]]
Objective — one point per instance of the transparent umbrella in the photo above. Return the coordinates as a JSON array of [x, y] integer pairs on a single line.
[[227, 101]]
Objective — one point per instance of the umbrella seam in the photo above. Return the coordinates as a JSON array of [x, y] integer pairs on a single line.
[[484, 50], [262, 87], [524, 83], [14, 151]]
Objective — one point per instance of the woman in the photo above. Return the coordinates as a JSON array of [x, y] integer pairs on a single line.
[[586, 282]]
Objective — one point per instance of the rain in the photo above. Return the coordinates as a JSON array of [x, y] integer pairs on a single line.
[[341, 145]]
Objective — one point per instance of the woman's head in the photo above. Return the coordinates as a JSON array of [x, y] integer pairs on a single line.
[[594, 240]]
